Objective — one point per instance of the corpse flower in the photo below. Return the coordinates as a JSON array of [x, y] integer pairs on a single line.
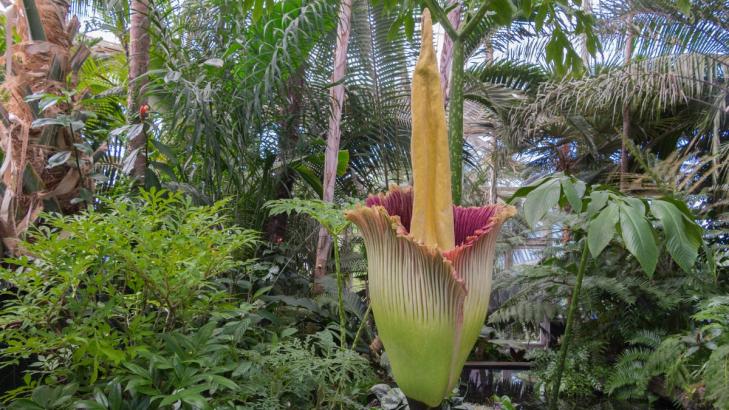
[[429, 262]]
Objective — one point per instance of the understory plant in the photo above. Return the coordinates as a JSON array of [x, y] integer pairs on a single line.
[[154, 303], [692, 366], [602, 216]]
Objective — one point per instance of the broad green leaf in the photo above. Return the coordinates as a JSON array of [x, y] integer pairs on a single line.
[[89, 404], [684, 6], [504, 10], [540, 201], [638, 237], [573, 197], [225, 382], [580, 187], [25, 404], [165, 150], [602, 229], [525, 190], [681, 243], [101, 398], [636, 203], [342, 162], [598, 200], [162, 167], [310, 177]]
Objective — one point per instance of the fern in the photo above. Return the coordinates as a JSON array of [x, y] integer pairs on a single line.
[[716, 377]]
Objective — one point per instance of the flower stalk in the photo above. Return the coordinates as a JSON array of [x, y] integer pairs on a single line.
[[429, 262]]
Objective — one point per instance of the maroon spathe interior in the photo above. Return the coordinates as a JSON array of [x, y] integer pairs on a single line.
[[466, 220]]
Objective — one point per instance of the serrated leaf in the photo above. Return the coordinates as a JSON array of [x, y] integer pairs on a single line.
[[638, 237], [602, 229], [681, 243], [540, 201]]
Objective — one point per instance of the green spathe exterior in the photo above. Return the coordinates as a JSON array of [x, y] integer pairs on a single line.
[[429, 304]]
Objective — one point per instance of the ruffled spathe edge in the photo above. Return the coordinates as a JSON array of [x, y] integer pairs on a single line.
[[360, 214], [397, 203]]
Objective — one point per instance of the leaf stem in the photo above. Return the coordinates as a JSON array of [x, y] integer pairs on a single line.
[[340, 295], [361, 325], [569, 327], [441, 17], [455, 120], [472, 23]]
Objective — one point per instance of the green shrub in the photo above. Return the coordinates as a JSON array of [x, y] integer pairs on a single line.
[[141, 304], [92, 290]]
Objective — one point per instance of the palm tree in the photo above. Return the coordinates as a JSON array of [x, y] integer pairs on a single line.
[[670, 97], [40, 134], [334, 133], [246, 103], [139, 48]]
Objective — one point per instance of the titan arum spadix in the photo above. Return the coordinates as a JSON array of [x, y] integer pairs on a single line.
[[429, 261]]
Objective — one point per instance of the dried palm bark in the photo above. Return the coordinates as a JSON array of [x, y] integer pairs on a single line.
[[43, 62]]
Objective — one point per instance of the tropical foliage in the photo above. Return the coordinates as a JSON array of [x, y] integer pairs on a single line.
[[161, 190]]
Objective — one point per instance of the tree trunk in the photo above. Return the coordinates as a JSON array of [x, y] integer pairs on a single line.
[[336, 95], [39, 64], [624, 158], [446, 54], [584, 53], [138, 67], [276, 225]]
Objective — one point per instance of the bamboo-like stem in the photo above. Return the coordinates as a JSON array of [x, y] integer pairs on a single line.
[[568, 328], [340, 297], [455, 121]]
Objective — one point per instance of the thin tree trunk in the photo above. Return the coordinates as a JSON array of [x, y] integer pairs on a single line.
[[336, 95], [276, 225], [624, 158], [446, 54], [584, 53], [138, 66]]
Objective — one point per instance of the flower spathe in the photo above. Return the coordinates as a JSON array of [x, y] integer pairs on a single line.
[[429, 262], [429, 304]]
